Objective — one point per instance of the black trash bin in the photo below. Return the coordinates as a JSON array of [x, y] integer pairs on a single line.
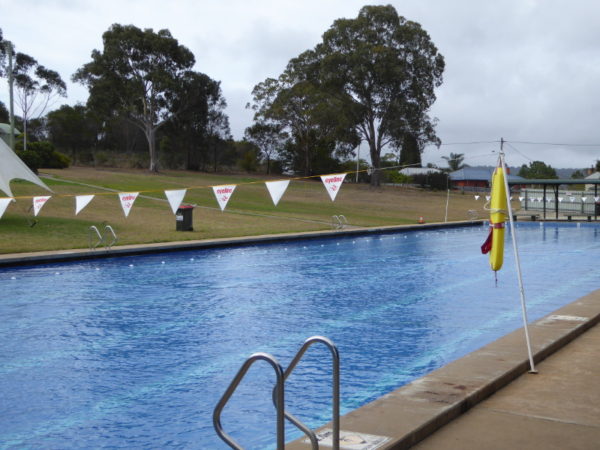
[[597, 208], [183, 218]]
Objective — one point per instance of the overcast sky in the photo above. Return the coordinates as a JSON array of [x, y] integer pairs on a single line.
[[523, 70]]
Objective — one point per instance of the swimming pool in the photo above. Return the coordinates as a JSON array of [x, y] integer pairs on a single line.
[[134, 352]]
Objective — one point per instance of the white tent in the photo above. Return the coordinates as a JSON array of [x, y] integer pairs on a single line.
[[12, 167]]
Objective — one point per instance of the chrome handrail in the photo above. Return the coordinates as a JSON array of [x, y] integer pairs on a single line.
[[335, 356], [100, 239], [114, 235], [279, 402]]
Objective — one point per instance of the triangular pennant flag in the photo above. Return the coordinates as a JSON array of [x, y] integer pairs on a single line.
[[175, 198], [560, 199], [277, 189], [4, 204], [572, 199], [332, 183], [521, 199], [81, 201], [127, 199], [487, 198], [38, 202], [597, 199], [223, 194], [511, 198], [583, 199], [477, 197]]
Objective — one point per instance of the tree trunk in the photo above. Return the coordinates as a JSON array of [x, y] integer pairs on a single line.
[[150, 133]]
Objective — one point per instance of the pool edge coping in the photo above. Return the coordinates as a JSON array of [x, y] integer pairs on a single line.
[[43, 257], [416, 410]]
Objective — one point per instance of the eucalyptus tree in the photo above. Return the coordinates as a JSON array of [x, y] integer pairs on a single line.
[[297, 104], [268, 137], [387, 68], [36, 86], [201, 124], [137, 75]]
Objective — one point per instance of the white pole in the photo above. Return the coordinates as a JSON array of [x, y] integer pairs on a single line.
[[357, 161], [517, 260], [447, 201]]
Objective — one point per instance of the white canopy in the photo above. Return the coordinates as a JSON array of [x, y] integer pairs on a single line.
[[12, 167]]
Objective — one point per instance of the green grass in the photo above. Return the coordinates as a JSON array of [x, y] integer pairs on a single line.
[[305, 206]]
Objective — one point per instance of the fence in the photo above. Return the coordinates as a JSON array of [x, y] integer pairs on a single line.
[[574, 203]]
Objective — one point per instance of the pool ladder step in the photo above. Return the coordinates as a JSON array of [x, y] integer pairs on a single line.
[[93, 232], [279, 395]]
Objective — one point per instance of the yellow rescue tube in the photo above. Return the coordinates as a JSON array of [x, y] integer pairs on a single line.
[[498, 208]]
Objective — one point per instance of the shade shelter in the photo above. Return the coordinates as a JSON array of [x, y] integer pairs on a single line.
[[554, 185], [12, 167]]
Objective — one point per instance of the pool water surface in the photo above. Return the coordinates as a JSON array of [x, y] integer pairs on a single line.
[[135, 352]]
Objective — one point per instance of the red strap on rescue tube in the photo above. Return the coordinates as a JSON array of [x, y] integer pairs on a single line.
[[487, 245], [497, 225]]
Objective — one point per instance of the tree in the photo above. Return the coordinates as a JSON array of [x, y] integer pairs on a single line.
[[455, 161], [410, 153], [202, 120], [537, 170], [36, 87], [386, 68], [137, 75], [268, 137], [72, 129], [4, 116], [578, 174], [317, 123]]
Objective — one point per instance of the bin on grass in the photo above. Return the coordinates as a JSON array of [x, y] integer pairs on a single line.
[[183, 218]]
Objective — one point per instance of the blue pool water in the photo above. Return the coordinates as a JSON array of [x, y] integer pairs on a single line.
[[134, 352]]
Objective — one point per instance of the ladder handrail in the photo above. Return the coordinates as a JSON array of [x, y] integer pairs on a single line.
[[335, 357], [339, 222], [112, 231], [279, 403], [100, 238]]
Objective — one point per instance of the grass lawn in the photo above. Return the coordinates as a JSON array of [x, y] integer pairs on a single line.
[[305, 206]]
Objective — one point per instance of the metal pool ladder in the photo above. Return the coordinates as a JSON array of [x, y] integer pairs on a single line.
[[339, 222], [279, 395], [94, 232]]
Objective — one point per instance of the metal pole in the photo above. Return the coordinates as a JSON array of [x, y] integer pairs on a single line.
[[517, 261], [447, 201], [9, 49], [357, 161]]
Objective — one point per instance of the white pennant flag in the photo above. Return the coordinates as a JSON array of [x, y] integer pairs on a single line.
[[127, 199], [521, 199], [175, 198], [223, 194], [38, 202], [332, 183], [487, 198], [597, 199], [4, 204], [81, 201], [572, 199], [477, 197], [277, 189], [583, 199], [560, 199]]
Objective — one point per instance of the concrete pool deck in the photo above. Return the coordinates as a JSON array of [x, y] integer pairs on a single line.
[[487, 399]]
